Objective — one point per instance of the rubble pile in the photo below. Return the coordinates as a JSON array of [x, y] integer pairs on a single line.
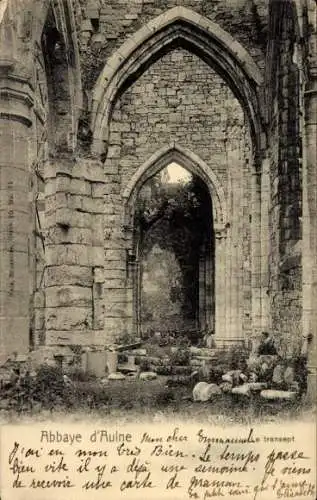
[[207, 372], [267, 376]]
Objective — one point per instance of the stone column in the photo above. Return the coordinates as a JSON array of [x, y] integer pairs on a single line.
[[210, 289], [202, 290], [265, 235], [310, 207], [234, 248], [75, 279], [134, 284], [220, 285], [16, 100], [256, 254]]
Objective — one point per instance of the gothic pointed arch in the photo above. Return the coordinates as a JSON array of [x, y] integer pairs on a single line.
[[190, 161], [177, 27], [56, 44]]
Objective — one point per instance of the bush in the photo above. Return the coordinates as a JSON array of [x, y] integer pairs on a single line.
[[180, 357], [164, 398], [79, 375], [234, 358], [46, 389]]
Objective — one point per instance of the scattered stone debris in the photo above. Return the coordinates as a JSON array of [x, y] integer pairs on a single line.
[[205, 392], [280, 395], [242, 390], [148, 375], [226, 387], [116, 376]]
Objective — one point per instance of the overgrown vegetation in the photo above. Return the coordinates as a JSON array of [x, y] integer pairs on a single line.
[[176, 217]]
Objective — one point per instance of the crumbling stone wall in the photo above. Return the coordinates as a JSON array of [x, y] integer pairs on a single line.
[[74, 252], [286, 183], [107, 24], [86, 243], [181, 99]]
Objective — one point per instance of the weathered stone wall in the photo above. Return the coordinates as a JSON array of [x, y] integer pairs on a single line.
[[107, 24], [85, 256], [286, 202], [74, 252], [179, 99]]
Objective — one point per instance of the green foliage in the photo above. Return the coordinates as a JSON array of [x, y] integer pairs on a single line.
[[233, 358], [49, 389], [177, 210], [165, 398], [180, 357]]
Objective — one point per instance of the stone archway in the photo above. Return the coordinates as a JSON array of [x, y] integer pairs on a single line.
[[213, 260], [190, 161], [181, 27], [177, 26]]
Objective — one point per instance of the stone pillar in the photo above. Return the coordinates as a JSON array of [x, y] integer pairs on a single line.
[[75, 280], [220, 285], [265, 236], [202, 291], [210, 289], [15, 214], [134, 284], [256, 254], [309, 255], [234, 261]]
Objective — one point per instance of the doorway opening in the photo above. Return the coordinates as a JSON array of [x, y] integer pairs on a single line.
[[174, 245]]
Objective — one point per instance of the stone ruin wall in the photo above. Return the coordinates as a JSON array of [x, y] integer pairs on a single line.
[[178, 99], [76, 184]]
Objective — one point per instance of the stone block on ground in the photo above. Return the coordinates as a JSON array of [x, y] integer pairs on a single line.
[[148, 376], [278, 395], [127, 368], [116, 376], [96, 363], [257, 386], [205, 392], [202, 351], [227, 377], [289, 376], [225, 387], [242, 390], [278, 375]]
